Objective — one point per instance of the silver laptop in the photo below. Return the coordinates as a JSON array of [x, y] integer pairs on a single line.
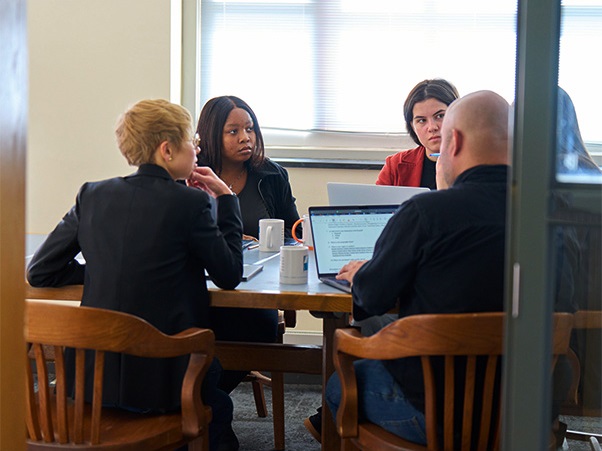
[[345, 233], [365, 194]]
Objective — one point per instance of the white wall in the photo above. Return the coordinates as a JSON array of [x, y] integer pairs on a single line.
[[309, 188], [90, 60]]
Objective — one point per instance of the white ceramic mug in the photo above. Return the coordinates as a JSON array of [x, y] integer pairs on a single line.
[[271, 235], [307, 238], [294, 262]]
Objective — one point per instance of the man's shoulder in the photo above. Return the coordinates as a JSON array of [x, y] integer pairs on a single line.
[[433, 204], [463, 202], [430, 198]]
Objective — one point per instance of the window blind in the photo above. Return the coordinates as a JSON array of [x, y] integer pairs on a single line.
[[346, 66]]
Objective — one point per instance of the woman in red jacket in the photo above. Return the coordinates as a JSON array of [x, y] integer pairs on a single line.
[[423, 111]]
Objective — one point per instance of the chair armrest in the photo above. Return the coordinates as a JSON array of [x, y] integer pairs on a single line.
[[190, 332], [347, 415], [195, 415], [350, 332], [587, 319]]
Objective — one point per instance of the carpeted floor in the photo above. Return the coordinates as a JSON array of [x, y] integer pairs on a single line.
[[582, 424], [257, 434], [301, 400]]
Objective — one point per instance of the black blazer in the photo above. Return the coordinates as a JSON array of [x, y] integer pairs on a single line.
[[146, 241]]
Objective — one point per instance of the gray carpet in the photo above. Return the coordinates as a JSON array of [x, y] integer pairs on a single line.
[[582, 424], [257, 434], [301, 400]]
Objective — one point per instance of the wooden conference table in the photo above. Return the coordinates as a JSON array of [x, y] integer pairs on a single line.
[[265, 291]]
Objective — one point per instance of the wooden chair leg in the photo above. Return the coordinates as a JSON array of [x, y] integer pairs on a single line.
[[347, 445], [200, 444], [276, 382], [259, 396], [278, 409], [258, 380]]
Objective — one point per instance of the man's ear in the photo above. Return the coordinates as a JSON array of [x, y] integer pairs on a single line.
[[457, 142]]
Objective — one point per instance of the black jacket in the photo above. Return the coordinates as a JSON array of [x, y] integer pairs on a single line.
[[146, 241], [276, 192], [442, 252]]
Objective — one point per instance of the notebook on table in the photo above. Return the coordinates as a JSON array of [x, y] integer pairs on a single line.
[[365, 194], [345, 233]]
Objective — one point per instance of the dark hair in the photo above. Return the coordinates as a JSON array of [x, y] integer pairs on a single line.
[[437, 88], [211, 126]]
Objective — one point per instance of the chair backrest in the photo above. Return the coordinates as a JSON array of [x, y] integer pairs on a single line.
[[473, 342], [588, 319], [585, 320], [51, 327]]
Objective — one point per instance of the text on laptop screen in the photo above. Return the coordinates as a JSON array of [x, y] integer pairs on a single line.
[[344, 234]]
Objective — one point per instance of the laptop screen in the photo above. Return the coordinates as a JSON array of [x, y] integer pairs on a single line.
[[364, 194], [346, 233]]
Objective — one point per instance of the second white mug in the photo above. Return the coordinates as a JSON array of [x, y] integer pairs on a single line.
[[294, 263], [271, 235]]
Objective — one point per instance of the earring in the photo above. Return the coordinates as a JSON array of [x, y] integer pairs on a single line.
[[170, 158]]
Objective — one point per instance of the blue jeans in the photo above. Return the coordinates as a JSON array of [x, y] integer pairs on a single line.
[[380, 401]]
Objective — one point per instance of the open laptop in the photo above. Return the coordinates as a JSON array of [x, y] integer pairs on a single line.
[[345, 233], [365, 194]]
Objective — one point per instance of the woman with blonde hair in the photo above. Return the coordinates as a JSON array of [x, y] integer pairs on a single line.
[[147, 242]]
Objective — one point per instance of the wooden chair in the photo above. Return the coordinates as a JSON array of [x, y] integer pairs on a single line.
[[286, 318], [584, 320], [461, 339], [56, 422]]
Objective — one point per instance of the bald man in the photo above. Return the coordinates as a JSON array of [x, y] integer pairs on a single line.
[[474, 133], [442, 252]]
